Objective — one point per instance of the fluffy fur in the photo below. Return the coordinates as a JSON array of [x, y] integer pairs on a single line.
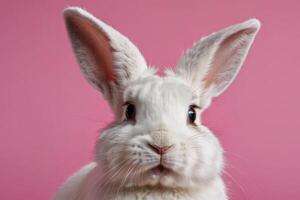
[[125, 166]]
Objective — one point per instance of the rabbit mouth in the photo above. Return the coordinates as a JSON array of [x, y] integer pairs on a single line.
[[160, 170]]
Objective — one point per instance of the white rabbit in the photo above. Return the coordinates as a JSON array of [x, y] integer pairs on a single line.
[[157, 148]]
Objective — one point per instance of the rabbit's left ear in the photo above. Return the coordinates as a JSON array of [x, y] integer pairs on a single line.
[[213, 62]]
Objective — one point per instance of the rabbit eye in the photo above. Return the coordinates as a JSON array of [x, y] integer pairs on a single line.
[[191, 115], [130, 112]]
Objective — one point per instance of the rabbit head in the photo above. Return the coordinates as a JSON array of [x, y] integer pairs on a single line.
[[157, 138]]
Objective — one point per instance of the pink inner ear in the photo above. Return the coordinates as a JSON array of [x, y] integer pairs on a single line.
[[97, 43], [226, 55]]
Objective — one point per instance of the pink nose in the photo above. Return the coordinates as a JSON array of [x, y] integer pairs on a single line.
[[160, 150]]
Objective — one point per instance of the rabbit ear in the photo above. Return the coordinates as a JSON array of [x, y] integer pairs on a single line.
[[107, 58], [213, 62]]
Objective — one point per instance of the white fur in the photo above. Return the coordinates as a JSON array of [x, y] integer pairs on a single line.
[[122, 169]]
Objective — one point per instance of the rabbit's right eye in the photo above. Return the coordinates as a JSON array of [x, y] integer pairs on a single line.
[[130, 112]]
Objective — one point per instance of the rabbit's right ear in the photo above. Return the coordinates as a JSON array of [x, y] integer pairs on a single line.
[[106, 57]]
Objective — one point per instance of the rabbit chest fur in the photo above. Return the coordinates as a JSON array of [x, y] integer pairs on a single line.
[[76, 187]]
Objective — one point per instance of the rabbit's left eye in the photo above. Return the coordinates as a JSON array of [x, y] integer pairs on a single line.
[[192, 114]]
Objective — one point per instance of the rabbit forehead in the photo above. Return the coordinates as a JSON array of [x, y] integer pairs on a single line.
[[159, 90]]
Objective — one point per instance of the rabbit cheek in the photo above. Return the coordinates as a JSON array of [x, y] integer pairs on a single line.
[[209, 158], [188, 159]]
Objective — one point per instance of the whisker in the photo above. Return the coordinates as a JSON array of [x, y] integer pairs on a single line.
[[236, 183]]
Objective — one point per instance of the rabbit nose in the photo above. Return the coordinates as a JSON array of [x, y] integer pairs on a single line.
[[160, 150]]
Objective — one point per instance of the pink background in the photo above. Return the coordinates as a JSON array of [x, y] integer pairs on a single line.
[[49, 115]]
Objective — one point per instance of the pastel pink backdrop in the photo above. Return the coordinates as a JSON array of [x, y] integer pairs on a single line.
[[49, 115]]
